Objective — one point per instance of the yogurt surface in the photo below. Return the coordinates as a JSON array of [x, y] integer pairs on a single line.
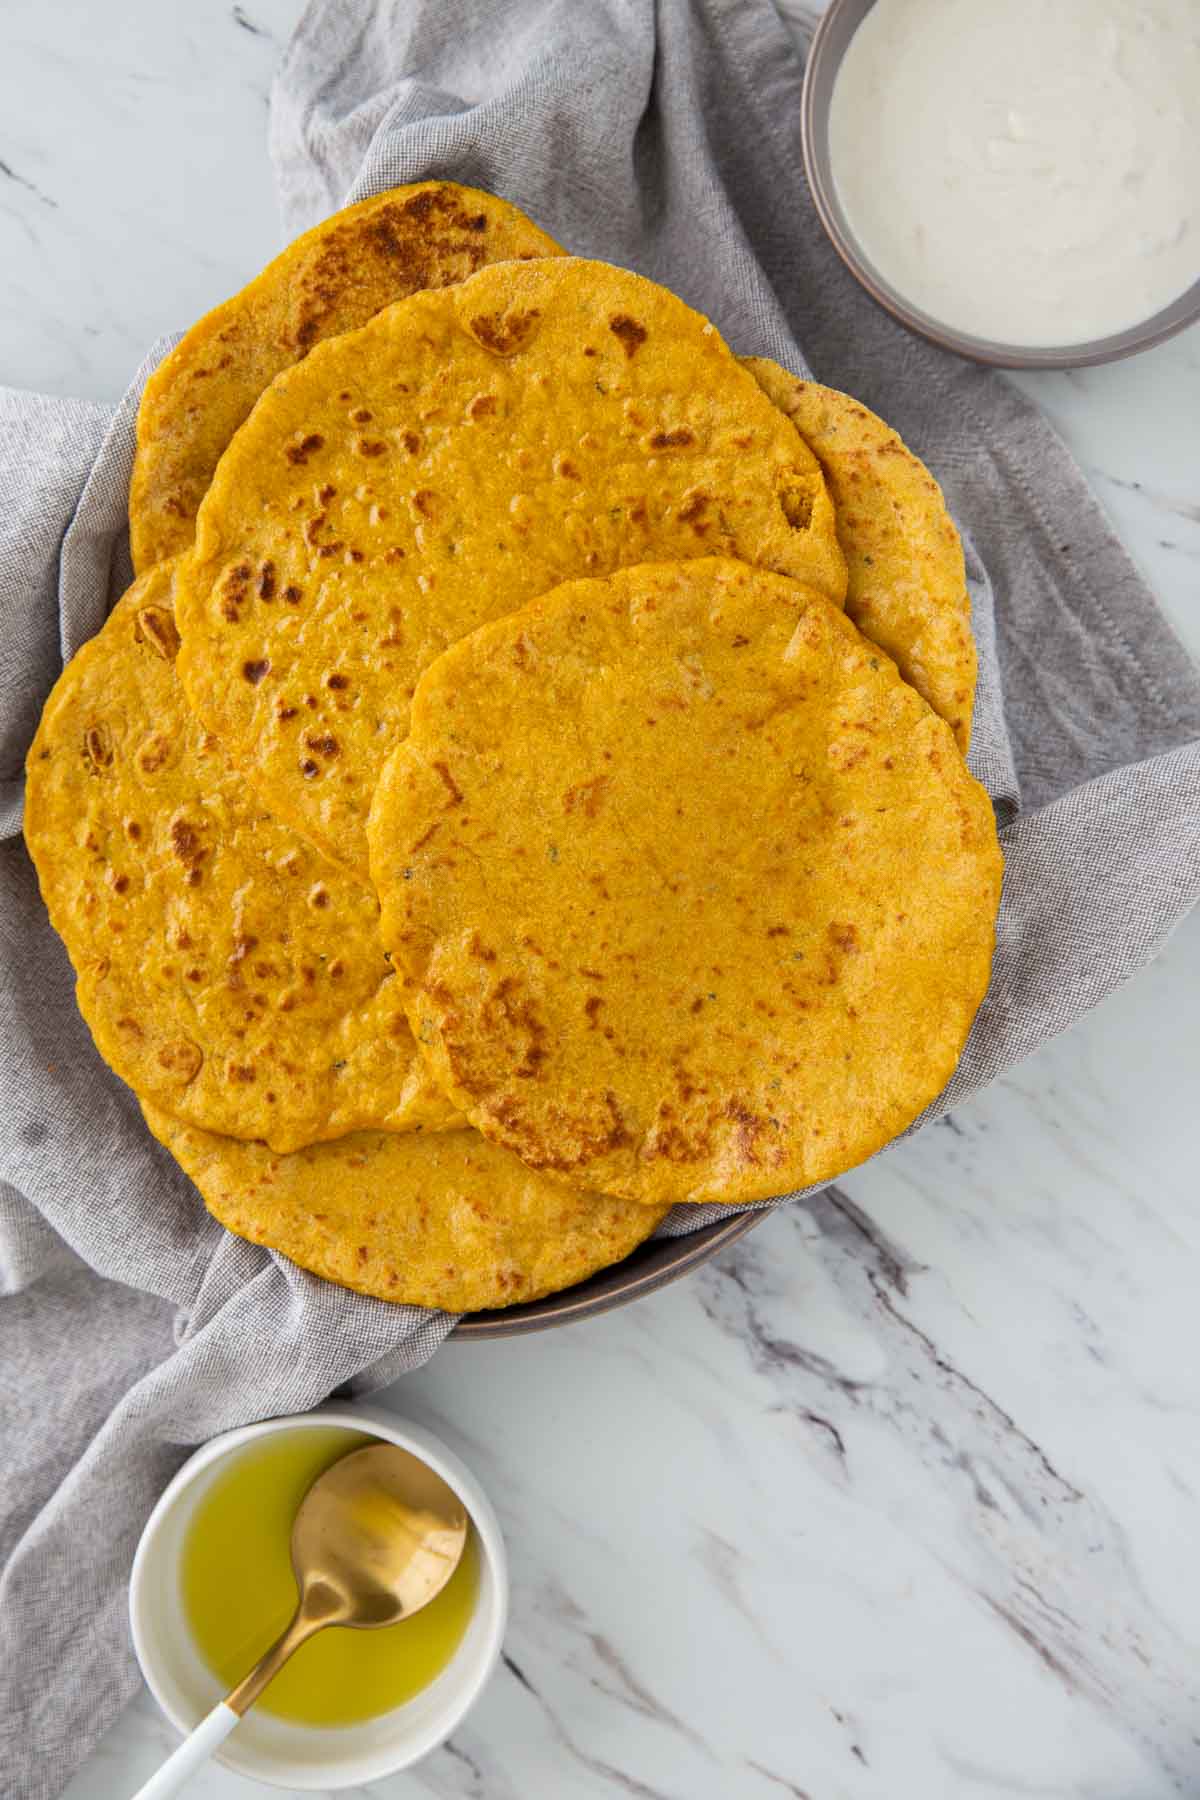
[[1024, 170]]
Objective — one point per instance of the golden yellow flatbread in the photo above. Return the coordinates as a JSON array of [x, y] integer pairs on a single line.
[[465, 451], [695, 894], [228, 972], [907, 584], [443, 1219], [330, 280]]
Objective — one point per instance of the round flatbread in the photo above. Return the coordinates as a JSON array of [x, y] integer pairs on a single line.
[[333, 279], [695, 895], [462, 453], [444, 1220], [228, 972], [907, 587]]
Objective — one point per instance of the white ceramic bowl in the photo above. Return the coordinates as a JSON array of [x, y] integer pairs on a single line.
[[274, 1750]]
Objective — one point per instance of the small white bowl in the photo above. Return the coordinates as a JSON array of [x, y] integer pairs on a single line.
[[275, 1750]]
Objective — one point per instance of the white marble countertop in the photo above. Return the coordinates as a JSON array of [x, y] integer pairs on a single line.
[[897, 1500]]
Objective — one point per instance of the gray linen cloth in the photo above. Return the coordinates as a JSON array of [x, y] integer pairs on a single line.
[[663, 136]]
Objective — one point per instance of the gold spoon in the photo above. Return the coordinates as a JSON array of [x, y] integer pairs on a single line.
[[376, 1537]]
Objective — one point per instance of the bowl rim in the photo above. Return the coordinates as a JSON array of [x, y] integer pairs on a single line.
[[601, 1293], [358, 1767], [824, 59]]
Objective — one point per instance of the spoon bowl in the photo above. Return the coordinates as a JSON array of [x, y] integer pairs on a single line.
[[381, 1532]]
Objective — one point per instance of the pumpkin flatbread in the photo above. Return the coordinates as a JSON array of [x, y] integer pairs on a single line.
[[228, 972], [444, 1220], [695, 894], [907, 587], [333, 279], [465, 451]]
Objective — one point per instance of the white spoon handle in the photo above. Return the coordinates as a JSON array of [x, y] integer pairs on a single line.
[[193, 1751]]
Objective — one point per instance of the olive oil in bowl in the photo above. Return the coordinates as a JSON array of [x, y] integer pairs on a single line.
[[238, 1592]]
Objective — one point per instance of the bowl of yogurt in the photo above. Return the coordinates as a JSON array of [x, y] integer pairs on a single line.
[[1016, 181]]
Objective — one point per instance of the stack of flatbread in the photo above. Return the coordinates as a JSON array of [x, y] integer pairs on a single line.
[[524, 786]]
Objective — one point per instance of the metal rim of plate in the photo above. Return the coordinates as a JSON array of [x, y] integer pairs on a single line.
[[830, 40], [653, 1265]]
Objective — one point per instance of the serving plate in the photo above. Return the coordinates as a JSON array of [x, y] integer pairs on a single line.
[[653, 1265]]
